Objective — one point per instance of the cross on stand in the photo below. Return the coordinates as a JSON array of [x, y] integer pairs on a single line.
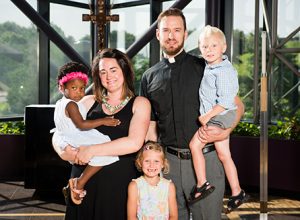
[[100, 19]]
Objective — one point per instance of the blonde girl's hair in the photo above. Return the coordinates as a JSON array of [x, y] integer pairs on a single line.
[[151, 145], [208, 31]]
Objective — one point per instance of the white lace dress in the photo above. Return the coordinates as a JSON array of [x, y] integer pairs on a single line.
[[153, 200], [66, 133]]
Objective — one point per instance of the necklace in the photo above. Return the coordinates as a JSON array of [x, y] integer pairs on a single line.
[[113, 108]]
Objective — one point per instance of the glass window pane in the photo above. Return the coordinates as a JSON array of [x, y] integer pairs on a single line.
[[67, 21], [194, 14], [288, 16], [243, 51], [18, 61], [134, 22], [285, 83], [81, 1], [123, 1]]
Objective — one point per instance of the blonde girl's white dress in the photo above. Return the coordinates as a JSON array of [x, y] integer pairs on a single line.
[[66, 133], [153, 200]]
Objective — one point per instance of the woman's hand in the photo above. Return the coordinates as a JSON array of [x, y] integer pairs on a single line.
[[84, 155], [209, 134], [69, 153]]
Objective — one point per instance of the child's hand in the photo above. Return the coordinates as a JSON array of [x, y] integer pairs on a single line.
[[111, 121]]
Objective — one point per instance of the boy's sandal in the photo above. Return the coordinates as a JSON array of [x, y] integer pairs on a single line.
[[204, 191], [76, 194], [235, 201]]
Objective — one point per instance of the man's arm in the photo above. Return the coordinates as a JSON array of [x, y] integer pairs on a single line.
[[239, 111], [152, 132], [209, 134]]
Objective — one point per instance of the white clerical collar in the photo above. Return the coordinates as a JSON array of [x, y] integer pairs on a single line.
[[172, 59]]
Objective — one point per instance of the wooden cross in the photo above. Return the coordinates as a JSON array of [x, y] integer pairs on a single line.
[[100, 19]]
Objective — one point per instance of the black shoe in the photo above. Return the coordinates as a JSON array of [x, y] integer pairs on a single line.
[[235, 201], [204, 191]]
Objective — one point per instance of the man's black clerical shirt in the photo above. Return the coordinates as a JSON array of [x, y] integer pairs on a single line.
[[172, 86]]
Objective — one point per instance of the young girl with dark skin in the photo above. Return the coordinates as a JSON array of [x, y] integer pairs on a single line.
[[69, 118]]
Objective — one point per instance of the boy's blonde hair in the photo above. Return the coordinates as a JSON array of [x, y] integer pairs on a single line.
[[208, 31], [151, 145]]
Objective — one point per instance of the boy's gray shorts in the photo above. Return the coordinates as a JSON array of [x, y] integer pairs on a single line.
[[223, 121]]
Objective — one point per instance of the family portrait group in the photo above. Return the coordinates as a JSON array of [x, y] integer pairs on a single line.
[[158, 153]]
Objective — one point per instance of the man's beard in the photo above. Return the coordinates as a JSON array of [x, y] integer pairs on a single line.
[[172, 51]]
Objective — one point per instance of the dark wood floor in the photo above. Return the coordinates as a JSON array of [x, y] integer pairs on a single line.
[[25, 204]]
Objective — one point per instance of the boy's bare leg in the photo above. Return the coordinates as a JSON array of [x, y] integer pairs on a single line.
[[196, 147], [223, 150]]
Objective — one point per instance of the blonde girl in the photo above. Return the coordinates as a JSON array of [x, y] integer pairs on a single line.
[[151, 196]]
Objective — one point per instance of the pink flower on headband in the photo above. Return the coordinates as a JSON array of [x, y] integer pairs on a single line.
[[74, 75]]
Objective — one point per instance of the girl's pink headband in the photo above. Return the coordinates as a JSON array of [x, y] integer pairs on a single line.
[[74, 75]]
